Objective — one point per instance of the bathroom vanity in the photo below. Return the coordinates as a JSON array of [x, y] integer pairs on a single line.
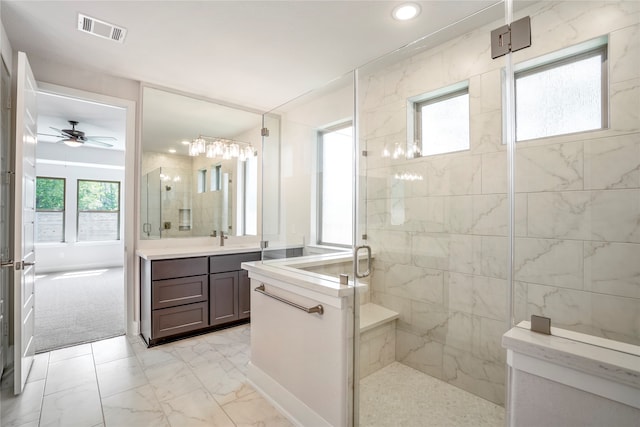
[[185, 291]]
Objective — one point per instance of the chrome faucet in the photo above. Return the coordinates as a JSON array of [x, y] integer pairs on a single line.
[[222, 237]]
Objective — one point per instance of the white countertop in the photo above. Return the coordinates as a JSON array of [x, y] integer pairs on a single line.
[[194, 251], [290, 271]]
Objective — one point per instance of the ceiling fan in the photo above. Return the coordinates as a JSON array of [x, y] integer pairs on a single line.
[[76, 138]]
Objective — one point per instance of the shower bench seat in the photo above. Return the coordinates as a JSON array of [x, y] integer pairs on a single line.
[[377, 338]]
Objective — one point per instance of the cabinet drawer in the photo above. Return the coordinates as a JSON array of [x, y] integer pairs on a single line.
[[181, 267], [231, 262], [176, 320], [173, 292]]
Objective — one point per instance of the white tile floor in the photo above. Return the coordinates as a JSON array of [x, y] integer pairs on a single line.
[[198, 381]]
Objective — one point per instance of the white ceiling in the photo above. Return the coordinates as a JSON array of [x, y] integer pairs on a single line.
[[257, 54], [254, 53], [93, 119]]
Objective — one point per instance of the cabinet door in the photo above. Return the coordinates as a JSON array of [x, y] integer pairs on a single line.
[[244, 289], [223, 298]]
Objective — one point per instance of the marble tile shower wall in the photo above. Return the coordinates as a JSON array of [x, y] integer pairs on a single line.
[[441, 243]]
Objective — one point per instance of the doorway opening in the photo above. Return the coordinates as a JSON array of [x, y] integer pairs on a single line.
[[79, 221]]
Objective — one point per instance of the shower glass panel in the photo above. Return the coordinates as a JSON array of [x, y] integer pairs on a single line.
[[150, 205], [437, 224], [307, 187], [577, 194], [169, 209]]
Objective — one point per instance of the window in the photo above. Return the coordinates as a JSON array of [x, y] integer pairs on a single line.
[[50, 207], [441, 121], [98, 210], [202, 180], [216, 178], [564, 96], [335, 195]]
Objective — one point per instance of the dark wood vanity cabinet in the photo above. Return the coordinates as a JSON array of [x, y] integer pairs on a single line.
[[229, 288], [187, 295]]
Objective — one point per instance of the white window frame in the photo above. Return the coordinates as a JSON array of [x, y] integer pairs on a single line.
[[79, 211], [319, 221], [414, 146], [591, 48], [63, 211], [201, 182], [216, 177]]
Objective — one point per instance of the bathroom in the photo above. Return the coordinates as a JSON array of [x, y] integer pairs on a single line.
[[455, 245], [535, 215]]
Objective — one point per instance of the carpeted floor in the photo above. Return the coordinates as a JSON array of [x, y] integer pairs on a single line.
[[77, 307]]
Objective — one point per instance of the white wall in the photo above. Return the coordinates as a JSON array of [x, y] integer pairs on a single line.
[[60, 161], [300, 122]]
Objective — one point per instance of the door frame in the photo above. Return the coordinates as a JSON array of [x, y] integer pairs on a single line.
[[131, 303]]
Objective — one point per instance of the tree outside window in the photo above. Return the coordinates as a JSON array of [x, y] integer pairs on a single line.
[[50, 207], [98, 210]]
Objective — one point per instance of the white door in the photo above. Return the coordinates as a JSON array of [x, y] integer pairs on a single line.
[[6, 262], [24, 222]]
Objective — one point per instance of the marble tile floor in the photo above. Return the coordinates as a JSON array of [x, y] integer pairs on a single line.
[[198, 381], [398, 395]]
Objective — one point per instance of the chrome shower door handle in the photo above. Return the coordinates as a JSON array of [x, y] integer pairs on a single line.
[[356, 251]]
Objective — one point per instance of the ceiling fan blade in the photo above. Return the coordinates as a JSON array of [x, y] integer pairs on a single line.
[[63, 132], [100, 143], [48, 134], [106, 138]]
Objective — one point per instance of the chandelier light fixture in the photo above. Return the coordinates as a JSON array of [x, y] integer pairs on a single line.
[[221, 147]]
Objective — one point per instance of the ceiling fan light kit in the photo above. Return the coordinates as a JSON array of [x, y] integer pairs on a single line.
[[72, 142]]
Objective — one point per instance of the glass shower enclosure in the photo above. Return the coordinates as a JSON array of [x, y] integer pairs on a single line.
[[488, 190]]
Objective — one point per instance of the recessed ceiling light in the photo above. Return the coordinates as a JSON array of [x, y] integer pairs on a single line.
[[185, 142], [172, 150], [406, 11]]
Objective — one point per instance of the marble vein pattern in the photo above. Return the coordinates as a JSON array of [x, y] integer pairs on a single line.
[[441, 243], [197, 381]]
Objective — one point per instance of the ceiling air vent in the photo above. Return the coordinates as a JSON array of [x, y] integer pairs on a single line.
[[100, 28]]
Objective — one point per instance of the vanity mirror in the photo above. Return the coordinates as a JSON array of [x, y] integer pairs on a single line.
[[198, 167]]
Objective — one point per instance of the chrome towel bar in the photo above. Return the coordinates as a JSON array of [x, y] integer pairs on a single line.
[[316, 309]]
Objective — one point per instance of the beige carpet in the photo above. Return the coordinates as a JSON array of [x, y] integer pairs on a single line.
[[75, 307]]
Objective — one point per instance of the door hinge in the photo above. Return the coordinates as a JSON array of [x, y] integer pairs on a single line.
[[8, 106], [364, 237], [264, 244], [510, 38], [264, 132], [364, 153]]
